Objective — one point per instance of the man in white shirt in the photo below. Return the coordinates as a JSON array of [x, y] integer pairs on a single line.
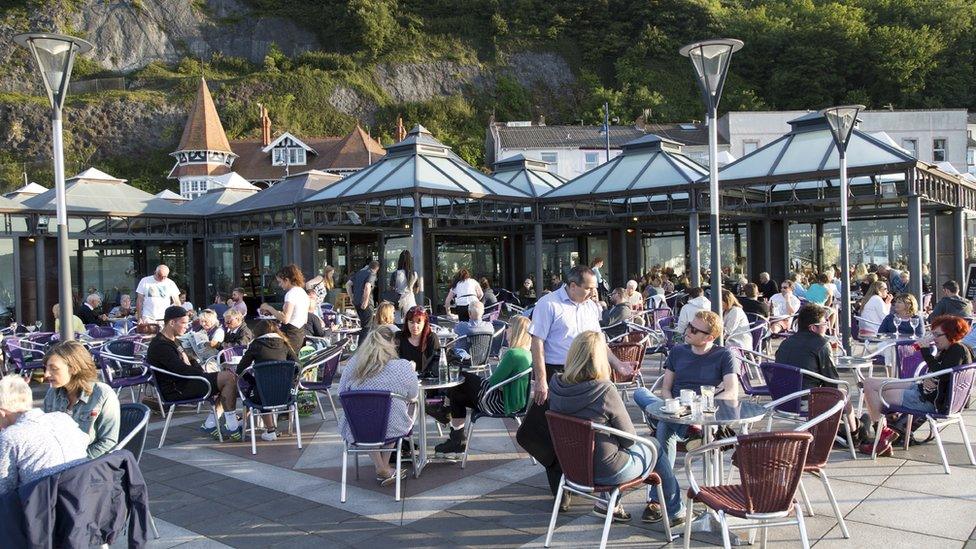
[[784, 304], [155, 293]]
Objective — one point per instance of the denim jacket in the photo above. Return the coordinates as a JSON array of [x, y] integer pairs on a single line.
[[96, 413]]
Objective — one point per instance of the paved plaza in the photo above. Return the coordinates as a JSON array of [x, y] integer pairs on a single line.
[[207, 494]]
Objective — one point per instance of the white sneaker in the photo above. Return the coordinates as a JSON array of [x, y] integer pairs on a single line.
[[270, 437]]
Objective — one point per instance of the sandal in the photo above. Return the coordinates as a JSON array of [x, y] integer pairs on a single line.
[[386, 481]]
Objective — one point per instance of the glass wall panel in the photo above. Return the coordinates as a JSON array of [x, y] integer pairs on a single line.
[[876, 242], [731, 243], [270, 263], [220, 267], [803, 246], [559, 255], [108, 267], [664, 251], [7, 297], [173, 255], [391, 254], [597, 246], [482, 256], [332, 249]]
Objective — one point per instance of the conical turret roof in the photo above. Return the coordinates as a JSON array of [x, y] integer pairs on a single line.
[[203, 130]]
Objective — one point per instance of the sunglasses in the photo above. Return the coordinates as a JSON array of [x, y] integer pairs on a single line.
[[695, 331], [937, 335]]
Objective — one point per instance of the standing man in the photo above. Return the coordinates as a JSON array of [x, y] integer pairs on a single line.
[[155, 293], [360, 288], [557, 319]]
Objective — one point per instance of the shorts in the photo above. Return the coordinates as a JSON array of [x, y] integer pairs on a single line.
[[913, 400]]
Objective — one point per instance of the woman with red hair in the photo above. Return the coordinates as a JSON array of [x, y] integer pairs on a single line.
[[932, 395], [417, 343]]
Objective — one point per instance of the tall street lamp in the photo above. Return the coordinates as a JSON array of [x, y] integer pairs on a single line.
[[55, 55], [842, 121], [711, 59]]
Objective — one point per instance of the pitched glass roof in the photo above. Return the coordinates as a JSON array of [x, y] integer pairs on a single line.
[[95, 192], [809, 148], [646, 164], [285, 193], [527, 175], [215, 200], [418, 163]]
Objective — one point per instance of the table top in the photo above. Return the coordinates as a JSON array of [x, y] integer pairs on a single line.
[[884, 338], [730, 413], [851, 362], [430, 383]]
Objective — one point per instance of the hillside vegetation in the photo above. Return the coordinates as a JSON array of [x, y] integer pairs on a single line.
[[452, 64]]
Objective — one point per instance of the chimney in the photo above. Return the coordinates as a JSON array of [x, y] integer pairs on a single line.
[[401, 131], [265, 127], [541, 120]]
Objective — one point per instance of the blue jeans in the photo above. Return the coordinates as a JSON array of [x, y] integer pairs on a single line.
[[667, 433], [637, 465]]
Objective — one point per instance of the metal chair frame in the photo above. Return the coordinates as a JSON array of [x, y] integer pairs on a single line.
[[252, 409], [173, 404], [313, 363], [475, 415], [138, 430]]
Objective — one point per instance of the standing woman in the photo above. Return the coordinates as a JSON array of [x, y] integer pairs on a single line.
[[324, 285], [294, 313], [465, 290], [70, 370], [403, 281], [417, 343]]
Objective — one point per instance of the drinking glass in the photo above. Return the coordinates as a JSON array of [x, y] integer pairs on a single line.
[[913, 322], [708, 396], [454, 371], [696, 407], [38, 324], [898, 322], [672, 405]]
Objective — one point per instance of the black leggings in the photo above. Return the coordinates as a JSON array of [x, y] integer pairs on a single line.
[[465, 395]]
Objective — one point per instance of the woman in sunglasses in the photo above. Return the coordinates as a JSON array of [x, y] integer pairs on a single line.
[[932, 395]]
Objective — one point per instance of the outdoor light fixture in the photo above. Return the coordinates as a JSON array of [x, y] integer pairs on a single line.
[[710, 60], [843, 120], [55, 56], [354, 217]]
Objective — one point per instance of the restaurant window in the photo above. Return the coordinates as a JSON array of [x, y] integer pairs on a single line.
[[938, 150], [910, 145], [749, 145], [664, 251], [220, 267]]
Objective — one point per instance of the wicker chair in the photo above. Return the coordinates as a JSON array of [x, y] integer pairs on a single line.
[[770, 465], [574, 440]]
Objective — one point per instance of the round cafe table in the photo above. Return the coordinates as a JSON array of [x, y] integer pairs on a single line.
[[728, 413], [428, 384]]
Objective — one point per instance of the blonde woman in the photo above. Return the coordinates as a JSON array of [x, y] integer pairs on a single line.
[[375, 367], [70, 370], [735, 323], [904, 308], [584, 390], [509, 399], [384, 315]]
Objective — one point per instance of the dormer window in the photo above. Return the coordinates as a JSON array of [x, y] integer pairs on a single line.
[[292, 156]]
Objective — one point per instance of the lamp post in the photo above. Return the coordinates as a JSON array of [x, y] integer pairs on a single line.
[[711, 59], [55, 55], [842, 121]]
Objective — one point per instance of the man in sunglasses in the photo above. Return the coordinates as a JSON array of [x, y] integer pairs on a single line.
[[698, 362], [808, 348]]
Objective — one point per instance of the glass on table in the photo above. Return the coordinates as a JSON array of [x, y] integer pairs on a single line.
[[696, 407], [454, 372], [672, 405], [708, 397]]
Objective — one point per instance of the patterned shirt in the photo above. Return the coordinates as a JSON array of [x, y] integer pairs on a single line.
[[37, 445], [398, 376]]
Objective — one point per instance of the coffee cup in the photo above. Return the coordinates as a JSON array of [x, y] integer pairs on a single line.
[[687, 396], [672, 405]]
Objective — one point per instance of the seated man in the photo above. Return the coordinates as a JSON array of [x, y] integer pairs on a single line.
[[219, 305], [236, 333], [619, 311], [689, 366], [34, 444], [89, 315], [696, 302], [808, 348], [750, 301], [476, 311], [166, 353]]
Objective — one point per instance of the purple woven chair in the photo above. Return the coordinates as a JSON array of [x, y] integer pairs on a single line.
[[321, 368], [100, 332], [122, 369], [276, 389], [783, 381], [225, 354], [164, 403], [759, 330], [24, 356], [368, 414], [749, 374], [963, 378]]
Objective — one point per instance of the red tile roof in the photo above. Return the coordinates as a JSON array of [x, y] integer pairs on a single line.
[[203, 131]]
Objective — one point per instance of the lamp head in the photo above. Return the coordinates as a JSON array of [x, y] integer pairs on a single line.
[[711, 58], [54, 54], [842, 120]]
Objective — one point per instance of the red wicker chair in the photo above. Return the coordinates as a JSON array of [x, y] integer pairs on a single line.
[[770, 465], [574, 440]]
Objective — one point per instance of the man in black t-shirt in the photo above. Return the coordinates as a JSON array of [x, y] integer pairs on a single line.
[[166, 353], [360, 289], [767, 286], [750, 302]]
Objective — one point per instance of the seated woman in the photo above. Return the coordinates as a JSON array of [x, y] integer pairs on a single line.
[[269, 345], [903, 309], [417, 343], [875, 306], [736, 324], [34, 444], [375, 367], [584, 391], [211, 326], [123, 309], [314, 326], [236, 331], [70, 370], [509, 399], [932, 395], [818, 293], [77, 326], [384, 315]]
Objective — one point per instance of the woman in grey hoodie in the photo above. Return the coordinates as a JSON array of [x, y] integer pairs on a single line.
[[584, 390]]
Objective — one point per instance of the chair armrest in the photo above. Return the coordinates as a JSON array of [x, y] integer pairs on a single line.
[[199, 379], [916, 379], [825, 379], [500, 384], [637, 439], [881, 348], [771, 406], [837, 407]]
